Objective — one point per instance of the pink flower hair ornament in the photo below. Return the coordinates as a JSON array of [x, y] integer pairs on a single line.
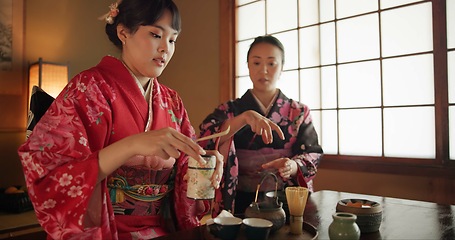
[[113, 12]]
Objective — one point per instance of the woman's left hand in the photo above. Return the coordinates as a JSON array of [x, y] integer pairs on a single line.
[[286, 167], [216, 177]]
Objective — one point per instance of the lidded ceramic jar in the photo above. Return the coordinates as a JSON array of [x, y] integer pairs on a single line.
[[344, 227]]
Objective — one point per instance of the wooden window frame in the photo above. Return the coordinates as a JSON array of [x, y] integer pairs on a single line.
[[441, 166]]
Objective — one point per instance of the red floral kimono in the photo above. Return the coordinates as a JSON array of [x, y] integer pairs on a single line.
[[60, 160], [246, 152]]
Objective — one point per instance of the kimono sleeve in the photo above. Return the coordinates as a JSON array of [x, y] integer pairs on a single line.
[[307, 151], [60, 158]]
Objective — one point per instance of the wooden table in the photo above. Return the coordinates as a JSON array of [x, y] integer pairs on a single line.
[[402, 219], [20, 226]]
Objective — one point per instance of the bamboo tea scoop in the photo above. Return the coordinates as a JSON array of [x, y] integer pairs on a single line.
[[220, 134]]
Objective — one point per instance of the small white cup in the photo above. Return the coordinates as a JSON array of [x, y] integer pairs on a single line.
[[199, 178]]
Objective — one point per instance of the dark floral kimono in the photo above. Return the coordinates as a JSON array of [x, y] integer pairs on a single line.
[[300, 144]]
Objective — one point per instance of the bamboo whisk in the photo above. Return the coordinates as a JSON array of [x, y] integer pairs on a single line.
[[296, 198]]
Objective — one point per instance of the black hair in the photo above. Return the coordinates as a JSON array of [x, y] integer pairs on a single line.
[[135, 13], [270, 40]]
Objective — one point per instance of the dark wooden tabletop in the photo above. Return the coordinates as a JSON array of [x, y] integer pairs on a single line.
[[401, 219]]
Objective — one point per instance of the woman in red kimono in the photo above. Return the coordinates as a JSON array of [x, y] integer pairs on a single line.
[[109, 158], [268, 133]]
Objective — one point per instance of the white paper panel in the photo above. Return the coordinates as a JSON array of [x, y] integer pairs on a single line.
[[329, 87], [242, 85], [393, 3], [360, 132], [242, 51], [291, 49], [241, 2], [255, 26], [346, 8], [310, 87], [327, 10], [415, 74], [309, 47], [308, 12], [451, 73], [281, 15], [328, 133], [409, 132], [316, 117], [328, 50], [359, 84], [289, 84], [407, 30], [358, 38]]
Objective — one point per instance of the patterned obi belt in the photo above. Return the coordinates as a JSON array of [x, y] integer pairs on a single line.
[[118, 188]]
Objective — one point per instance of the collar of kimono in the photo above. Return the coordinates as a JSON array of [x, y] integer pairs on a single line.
[[264, 109]]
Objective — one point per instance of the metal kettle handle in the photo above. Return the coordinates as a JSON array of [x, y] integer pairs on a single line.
[[262, 180]]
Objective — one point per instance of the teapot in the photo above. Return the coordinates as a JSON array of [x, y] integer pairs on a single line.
[[271, 209]]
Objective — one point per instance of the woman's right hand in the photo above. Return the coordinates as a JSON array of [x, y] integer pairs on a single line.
[[262, 126], [166, 143]]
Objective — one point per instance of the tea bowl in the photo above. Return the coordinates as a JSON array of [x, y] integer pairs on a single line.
[[257, 228], [226, 228]]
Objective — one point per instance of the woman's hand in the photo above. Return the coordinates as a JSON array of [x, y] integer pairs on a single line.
[[167, 143], [262, 126], [286, 167], [216, 177]]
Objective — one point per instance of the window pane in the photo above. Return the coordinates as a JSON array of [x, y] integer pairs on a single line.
[[409, 132], [360, 132], [242, 85], [451, 73], [328, 51], [450, 24], [291, 47], [358, 38], [393, 3], [281, 15], [309, 46], [328, 133], [316, 117], [289, 84], [310, 87], [346, 8], [242, 51], [329, 87], [359, 84], [255, 26], [308, 12], [327, 10], [415, 74], [452, 132], [241, 2], [407, 30]]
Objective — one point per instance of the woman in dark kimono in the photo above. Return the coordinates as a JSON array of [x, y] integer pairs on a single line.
[[268, 133]]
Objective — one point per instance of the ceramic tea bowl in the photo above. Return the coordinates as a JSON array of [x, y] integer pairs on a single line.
[[257, 228], [225, 228]]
